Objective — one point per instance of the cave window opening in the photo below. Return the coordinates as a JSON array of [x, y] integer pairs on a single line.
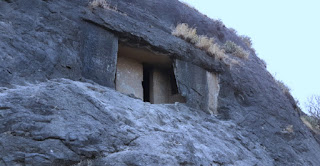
[[145, 75]]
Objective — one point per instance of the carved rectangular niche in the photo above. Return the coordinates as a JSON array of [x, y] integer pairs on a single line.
[[145, 75]]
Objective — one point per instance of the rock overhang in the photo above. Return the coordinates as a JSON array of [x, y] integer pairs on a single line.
[[146, 35]]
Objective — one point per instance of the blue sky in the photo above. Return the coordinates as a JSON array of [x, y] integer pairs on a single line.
[[285, 34]]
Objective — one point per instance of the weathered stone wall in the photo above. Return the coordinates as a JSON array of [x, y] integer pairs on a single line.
[[38, 42], [160, 87], [200, 87], [99, 55], [129, 77]]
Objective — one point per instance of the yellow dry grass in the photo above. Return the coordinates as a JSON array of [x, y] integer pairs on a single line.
[[247, 40], [305, 121], [285, 89], [232, 48], [208, 44], [216, 51], [183, 31], [203, 42], [314, 128], [99, 3], [289, 129]]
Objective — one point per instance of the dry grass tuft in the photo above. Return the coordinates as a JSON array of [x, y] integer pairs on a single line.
[[203, 42], [306, 122], [232, 48], [84, 163], [264, 63], [99, 3], [208, 44], [105, 5], [289, 129], [285, 89], [230, 62], [311, 123], [247, 40], [183, 31], [233, 31], [216, 51]]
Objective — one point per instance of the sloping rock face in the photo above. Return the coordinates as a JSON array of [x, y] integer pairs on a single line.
[[66, 121], [62, 122]]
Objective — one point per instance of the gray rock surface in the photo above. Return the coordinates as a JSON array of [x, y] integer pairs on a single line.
[[64, 121], [192, 82], [99, 55], [38, 42]]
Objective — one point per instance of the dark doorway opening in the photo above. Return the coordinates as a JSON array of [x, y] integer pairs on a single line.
[[146, 83], [173, 82]]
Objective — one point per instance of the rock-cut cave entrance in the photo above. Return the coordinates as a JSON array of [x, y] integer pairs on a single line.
[[147, 76]]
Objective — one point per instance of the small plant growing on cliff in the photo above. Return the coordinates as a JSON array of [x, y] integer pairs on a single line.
[[99, 3], [233, 31], [208, 44], [183, 31], [313, 107], [288, 129], [216, 51], [264, 63], [103, 4], [84, 163], [311, 122], [203, 42], [285, 89], [247, 40], [232, 48]]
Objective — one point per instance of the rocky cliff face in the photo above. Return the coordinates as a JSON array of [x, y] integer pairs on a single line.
[[62, 122], [53, 55]]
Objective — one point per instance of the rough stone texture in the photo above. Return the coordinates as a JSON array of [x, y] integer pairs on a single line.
[[42, 40], [129, 77], [213, 92], [99, 55], [193, 84], [63, 122], [161, 88], [39, 40]]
